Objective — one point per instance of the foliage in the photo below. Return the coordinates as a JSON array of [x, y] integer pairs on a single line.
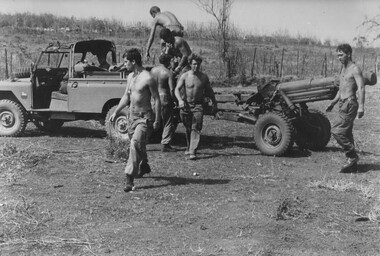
[[221, 10]]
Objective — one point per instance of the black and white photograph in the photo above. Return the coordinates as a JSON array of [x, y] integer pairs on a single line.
[[189, 127]]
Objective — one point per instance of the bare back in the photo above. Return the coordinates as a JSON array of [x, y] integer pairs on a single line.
[[347, 81], [139, 91], [162, 76], [169, 21]]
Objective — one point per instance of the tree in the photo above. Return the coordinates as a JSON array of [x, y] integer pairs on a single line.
[[220, 10], [372, 26]]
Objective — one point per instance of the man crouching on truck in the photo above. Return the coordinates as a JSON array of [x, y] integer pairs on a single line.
[[141, 87], [350, 81], [191, 90]]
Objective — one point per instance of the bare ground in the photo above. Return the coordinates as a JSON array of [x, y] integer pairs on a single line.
[[62, 195]]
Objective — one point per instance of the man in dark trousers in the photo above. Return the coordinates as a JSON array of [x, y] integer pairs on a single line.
[[165, 82], [350, 81]]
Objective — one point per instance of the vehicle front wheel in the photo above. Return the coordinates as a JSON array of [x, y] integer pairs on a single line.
[[273, 134], [119, 127], [13, 118]]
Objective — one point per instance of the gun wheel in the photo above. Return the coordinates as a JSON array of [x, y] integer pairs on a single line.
[[313, 130], [273, 134]]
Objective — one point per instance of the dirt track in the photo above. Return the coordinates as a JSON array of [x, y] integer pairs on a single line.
[[67, 199]]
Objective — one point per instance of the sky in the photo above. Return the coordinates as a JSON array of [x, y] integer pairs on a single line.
[[324, 19]]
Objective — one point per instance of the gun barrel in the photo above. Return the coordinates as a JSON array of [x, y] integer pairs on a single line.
[[306, 84]]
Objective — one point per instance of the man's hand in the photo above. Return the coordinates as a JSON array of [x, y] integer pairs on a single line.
[[147, 55], [112, 117], [181, 104], [156, 125], [214, 108], [329, 107]]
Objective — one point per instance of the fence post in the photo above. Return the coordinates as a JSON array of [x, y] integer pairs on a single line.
[[298, 57], [253, 62], [6, 64], [11, 65], [363, 62], [282, 61], [375, 65]]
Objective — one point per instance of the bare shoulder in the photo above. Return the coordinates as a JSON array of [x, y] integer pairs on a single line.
[[356, 69]]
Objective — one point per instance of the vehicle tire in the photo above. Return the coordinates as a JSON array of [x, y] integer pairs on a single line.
[[273, 134], [13, 118], [21, 73], [313, 130], [118, 129], [49, 126]]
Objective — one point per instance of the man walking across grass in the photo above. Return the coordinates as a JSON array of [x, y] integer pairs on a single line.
[[141, 88], [350, 81], [165, 82], [191, 90]]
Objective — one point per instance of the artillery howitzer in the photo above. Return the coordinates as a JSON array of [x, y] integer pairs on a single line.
[[280, 113]]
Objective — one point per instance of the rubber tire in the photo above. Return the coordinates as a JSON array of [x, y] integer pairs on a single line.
[[119, 128], [21, 73], [49, 126], [275, 124], [13, 119], [307, 138]]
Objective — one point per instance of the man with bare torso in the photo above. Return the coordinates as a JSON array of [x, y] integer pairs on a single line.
[[350, 81], [166, 20], [177, 47], [165, 82], [196, 86], [141, 87]]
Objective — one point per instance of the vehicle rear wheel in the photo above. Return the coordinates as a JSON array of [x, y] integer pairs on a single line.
[[313, 130], [273, 134], [13, 118], [119, 127], [49, 126]]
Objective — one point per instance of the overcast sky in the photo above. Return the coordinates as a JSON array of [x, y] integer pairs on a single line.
[[324, 19]]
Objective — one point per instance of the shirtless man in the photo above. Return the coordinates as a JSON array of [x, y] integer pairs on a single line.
[[165, 82], [196, 86], [350, 81], [166, 20], [141, 87], [178, 47]]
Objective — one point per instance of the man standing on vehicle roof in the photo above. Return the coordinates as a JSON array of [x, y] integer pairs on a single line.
[[196, 86], [166, 20], [141, 87], [350, 81], [166, 85]]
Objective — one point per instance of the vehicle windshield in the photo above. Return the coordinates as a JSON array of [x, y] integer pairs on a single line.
[[53, 60]]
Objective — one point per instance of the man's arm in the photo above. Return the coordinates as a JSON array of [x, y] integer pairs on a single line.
[[184, 48], [171, 83], [210, 93], [333, 102], [157, 103], [124, 101], [151, 37], [177, 91], [361, 90]]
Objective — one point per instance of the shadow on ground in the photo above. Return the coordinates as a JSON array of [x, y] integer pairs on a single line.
[[179, 181]]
